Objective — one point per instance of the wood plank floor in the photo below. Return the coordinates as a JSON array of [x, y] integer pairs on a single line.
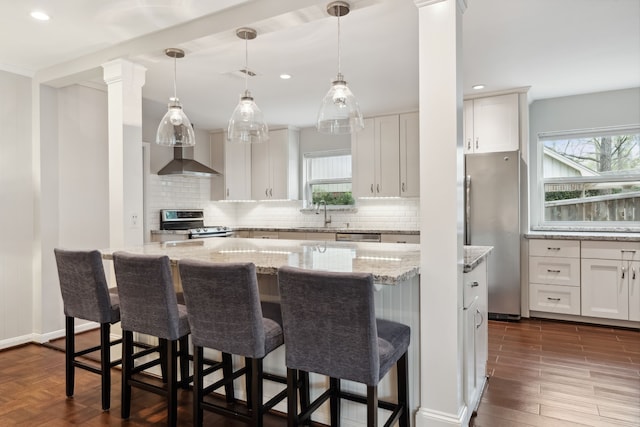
[[543, 373]]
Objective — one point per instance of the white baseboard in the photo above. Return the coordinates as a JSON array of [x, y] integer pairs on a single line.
[[42, 338], [432, 418]]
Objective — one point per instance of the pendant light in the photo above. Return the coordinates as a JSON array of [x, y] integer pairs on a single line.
[[339, 113], [175, 129], [247, 123]]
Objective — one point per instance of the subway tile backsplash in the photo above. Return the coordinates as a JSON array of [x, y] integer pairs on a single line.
[[180, 192]]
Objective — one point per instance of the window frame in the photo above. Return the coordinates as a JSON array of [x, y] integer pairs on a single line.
[[308, 183], [542, 222]]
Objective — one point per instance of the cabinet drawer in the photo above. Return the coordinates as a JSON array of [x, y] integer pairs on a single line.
[[628, 251], [554, 271], [554, 299], [258, 234], [555, 248], [400, 238], [474, 283]]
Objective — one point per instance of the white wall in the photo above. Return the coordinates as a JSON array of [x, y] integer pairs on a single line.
[[16, 214], [593, 110]]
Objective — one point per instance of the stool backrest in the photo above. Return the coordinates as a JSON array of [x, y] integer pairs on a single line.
[[329, 323], [148, 301], [85, 293], [223, 306]]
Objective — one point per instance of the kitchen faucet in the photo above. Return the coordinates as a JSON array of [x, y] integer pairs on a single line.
[[322, 202]]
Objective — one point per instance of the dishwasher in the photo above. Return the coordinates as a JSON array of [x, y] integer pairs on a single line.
[[358, 237]]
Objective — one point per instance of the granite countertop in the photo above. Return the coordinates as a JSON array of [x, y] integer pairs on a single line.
[[390, 263], [474, 255], [326, 230], [583, 235]]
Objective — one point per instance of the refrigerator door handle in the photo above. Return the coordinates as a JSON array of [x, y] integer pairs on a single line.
[[467, 213]]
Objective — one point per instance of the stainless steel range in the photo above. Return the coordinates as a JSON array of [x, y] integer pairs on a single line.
[[192, 221]]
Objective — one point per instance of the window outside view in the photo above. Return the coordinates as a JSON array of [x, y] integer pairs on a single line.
[[329, 179], [592, 177]]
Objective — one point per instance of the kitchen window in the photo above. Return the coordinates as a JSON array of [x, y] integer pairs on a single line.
[[328, 177], [591, 178]]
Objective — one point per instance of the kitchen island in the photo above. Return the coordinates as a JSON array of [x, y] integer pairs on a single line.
[[395, 268]]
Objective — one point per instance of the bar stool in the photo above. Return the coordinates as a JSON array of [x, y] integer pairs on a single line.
[[148, 305], [225, 314], [85, 295], [330, 329]]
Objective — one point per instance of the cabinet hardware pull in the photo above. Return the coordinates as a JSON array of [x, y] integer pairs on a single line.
[[371, 188], [632, 251], [469, 144], [478, 313], [624, 270], [553, 249], [403, 190], [266, 192], [553, 299], [377, 188], [633, 274], [475, 284], [477, 143], [271, 192], [227, 192], [553, 271]]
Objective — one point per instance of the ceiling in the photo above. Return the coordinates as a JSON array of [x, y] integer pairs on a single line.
[[557, 48]]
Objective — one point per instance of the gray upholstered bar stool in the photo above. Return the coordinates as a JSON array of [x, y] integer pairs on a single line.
[[148, 305], [330, 328], [85, 295], [225, 314]]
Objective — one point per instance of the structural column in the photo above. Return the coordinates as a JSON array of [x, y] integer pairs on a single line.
[[441, 214], [125, 80]]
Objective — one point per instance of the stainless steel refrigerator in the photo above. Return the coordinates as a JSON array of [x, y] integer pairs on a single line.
[[492, 218]]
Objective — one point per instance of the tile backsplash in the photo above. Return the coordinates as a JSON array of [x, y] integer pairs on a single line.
[[180, 192]]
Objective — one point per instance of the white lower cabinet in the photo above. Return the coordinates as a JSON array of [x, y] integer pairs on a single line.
[[610, 280], [475, 333], [554, 276]]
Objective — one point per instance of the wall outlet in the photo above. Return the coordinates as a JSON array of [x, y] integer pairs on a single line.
[[133, 219]]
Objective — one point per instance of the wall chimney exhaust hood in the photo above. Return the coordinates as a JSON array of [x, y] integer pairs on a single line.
[[183, 164]]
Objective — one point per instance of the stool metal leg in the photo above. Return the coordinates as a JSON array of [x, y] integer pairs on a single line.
[[70, 350], [334, 402], [372, 406], [105, 365], [292, 398], [403, 389], [127, 367], [172, 380]]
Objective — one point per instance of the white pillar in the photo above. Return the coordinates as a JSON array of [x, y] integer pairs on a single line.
[[125, 80], [441, 214]]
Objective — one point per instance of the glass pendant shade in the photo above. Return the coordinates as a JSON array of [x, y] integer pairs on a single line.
[[175, 129], [339, 113], [247, 123]]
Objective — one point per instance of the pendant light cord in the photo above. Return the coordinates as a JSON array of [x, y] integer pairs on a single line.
[[175, 88], [246, 62], [339, 72]]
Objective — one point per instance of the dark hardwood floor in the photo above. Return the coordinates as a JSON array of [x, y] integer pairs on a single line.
[[543, 373]]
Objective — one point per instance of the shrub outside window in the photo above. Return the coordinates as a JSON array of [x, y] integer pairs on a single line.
[[591, 177]]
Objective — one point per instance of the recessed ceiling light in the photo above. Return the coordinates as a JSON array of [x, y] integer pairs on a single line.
[[39, 15], [477, 87], [285, 76]]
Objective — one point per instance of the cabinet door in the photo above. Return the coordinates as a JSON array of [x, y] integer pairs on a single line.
[[278, 164], [363, 159], [496, 123], [409, 155], [554, 271], [260, 171], [387, 160], [237, 171], [634, 291], [605, 291], [470, 354], [467, 138]]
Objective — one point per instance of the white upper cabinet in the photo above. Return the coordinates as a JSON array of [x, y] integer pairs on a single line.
[[409, 155], [274, 166], [237, 170], [376, 158], [492, 124]]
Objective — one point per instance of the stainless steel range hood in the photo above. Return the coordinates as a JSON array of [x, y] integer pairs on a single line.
[[183, 164]]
